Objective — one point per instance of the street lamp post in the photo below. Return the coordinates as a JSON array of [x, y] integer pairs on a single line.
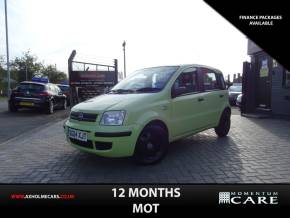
[[124, 50], [7, 50]]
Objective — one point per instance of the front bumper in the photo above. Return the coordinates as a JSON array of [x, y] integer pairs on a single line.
[[107, 141]]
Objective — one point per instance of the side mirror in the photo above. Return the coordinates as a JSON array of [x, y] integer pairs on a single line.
[[178, 91]]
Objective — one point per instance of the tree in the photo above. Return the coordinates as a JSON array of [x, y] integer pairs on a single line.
[[53, 74], [26, 67]]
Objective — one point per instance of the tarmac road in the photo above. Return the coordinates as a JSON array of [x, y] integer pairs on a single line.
[[15, 124]]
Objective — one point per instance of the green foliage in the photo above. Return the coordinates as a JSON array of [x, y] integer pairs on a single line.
[[53, 74], [24, 68]]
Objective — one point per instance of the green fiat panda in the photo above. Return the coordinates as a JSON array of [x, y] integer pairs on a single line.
[[149, 109]]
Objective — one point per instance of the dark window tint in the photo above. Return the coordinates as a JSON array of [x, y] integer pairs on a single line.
[[31, 87], [187, 82]]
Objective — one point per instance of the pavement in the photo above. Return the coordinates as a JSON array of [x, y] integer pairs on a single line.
[[255, 151]]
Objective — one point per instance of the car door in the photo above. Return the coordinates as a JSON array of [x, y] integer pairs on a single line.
[[187, 104], [54, 94], [214, 95], [59, 96]]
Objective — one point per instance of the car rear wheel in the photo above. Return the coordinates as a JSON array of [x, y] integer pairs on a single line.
[[224, 125], [50, 108], [12, 107], [151, 145]]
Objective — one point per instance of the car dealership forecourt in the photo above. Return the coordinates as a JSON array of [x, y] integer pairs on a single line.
[[241, 157]]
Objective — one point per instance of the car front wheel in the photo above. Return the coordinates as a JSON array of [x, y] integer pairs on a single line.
[[151, 145], [64, 106], [224, 125]]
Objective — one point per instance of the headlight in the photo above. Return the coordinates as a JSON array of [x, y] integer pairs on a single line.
[[113, 118]]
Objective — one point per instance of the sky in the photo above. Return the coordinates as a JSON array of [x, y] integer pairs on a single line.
[[157, 32]]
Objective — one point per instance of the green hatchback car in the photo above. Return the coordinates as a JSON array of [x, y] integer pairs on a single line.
[[149, 109]]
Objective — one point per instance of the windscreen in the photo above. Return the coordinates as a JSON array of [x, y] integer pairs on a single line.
[[146, 80]]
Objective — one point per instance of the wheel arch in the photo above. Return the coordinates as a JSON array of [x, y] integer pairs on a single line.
[[160, 123], [227, 110]]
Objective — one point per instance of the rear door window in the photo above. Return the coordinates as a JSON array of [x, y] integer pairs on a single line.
[[212, 80]]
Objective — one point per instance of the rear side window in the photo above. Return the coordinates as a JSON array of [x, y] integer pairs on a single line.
[[30, 87], [212, 80]]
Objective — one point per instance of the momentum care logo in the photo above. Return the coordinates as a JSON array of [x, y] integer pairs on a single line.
[[248, 198]]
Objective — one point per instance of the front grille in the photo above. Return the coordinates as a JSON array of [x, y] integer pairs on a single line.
[[87, 144], [80, 116], [103, 145]]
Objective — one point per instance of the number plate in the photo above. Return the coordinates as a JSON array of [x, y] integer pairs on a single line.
[[77, 134], [26, 104]]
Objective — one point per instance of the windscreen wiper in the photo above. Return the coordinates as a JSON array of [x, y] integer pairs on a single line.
[[121, 91], [148, 89]]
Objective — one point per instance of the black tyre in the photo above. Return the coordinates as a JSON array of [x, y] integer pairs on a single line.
[[151, 145], [12, 107], [50, 108], [224, 125]]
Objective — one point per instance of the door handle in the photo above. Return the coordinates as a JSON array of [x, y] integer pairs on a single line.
[[221, 96], [200, 99]]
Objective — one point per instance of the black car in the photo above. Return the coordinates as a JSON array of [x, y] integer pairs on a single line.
[[234, 91], [45, 96]]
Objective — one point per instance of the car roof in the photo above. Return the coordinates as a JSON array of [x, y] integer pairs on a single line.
[[199, 65], [37, 83], [184, 66], [31, 82]]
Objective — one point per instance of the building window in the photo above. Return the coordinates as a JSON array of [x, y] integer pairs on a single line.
[[286, 78]]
